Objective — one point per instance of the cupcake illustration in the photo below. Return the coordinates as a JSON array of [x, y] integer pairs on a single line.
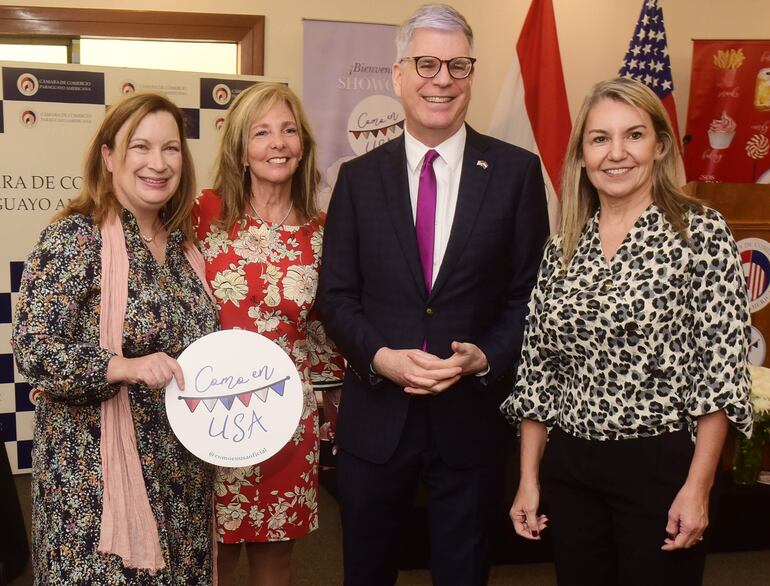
[[721, 132]]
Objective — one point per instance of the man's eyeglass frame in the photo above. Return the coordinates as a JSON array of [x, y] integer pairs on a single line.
[[441, 63]]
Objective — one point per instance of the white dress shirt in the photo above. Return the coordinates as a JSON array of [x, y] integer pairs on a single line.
[[448, 168]]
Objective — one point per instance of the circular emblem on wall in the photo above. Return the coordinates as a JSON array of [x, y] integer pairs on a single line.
[[34, 394], [374, 121], [755, 257], [127, 88], [757, 348], [221, 94], [27, 84], [242, 399], [218, 123], [28, 118]]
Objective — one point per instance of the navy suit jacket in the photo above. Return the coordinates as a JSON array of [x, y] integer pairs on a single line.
[[371, 293]]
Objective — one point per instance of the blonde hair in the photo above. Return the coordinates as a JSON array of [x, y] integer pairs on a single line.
[[97, 196], [232, 182], [579, 198]]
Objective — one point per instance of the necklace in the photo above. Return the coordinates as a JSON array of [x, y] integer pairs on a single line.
[[149, 239], [271, 226]]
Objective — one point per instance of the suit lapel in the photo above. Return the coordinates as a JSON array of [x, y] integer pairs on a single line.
[[396, 185], [473, 184]]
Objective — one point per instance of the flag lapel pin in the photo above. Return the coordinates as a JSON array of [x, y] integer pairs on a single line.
[[482, 163]]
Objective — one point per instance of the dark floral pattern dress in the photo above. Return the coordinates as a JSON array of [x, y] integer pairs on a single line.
[[56, 344], [264, 279]]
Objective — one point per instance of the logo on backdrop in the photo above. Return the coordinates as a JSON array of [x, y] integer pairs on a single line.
[[242, 399], [27, 84], [127, 88], [28, 118], [34, 394], [218, 123], [221, 94], [374, 121], [53, 85], [755, 257], [217, 93]]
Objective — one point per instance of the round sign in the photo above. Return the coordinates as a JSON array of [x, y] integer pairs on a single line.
[[374, 121], [755, 257], [242, 399]]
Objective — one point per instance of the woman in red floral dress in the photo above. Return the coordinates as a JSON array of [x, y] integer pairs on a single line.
[[261, 232]]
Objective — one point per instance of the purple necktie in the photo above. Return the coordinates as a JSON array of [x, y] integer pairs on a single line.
[[425, 224]]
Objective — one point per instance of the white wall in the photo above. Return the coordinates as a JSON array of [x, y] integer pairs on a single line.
[[593, 34]]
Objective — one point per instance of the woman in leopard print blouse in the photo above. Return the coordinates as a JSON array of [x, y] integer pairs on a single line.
[[635, 356]]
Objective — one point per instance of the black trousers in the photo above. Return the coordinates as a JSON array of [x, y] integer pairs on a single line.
[[376, 499], [608, 505]]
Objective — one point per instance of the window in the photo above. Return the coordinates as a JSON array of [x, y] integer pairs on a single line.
[[246, 32], [34, 52], [175, 55]]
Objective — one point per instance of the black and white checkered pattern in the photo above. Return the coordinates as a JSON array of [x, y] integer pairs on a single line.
[[16, 407]]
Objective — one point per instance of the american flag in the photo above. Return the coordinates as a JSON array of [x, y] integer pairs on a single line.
[[756, 269], [647, 58]]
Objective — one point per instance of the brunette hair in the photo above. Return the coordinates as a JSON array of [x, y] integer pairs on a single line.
[[97, 196]]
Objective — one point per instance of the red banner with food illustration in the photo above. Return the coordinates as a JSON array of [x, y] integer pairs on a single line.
[[728, 121]]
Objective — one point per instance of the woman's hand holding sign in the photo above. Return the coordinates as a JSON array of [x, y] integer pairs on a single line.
[[154, 370]]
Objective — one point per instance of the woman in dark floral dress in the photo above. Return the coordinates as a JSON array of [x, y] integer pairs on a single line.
[[261, 235], [138, 185]]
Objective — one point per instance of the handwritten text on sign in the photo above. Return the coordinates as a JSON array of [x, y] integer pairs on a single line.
[[251, 393]]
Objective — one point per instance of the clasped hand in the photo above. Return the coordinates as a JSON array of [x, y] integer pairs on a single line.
[[422, 373]]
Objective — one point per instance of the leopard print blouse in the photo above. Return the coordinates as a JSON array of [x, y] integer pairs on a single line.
[[643, 344]]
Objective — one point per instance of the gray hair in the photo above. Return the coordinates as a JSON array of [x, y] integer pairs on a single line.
[[440, 17]]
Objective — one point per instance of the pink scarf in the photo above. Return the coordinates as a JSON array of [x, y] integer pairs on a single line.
[[128, 527]]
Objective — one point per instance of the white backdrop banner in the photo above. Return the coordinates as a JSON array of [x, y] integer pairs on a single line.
[[47, 116], [347, 91]]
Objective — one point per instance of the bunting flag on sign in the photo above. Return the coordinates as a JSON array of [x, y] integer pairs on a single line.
[[532, 111], [395, 129], [244, 397], [647, 61]]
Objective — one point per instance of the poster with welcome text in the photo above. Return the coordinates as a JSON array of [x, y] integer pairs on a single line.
[[347, 91], [728, 120]]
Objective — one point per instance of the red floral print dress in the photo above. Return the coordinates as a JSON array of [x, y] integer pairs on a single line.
[[264, 278]]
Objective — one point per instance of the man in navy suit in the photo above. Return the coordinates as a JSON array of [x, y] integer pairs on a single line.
[[431, 249]]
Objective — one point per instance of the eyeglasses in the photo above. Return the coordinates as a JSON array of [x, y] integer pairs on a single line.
[[428, 66]]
